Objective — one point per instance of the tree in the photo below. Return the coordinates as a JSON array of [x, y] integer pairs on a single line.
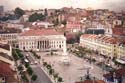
[[48, 66], [26, 65], [78, 36], [14, 54], [59, 79], [34, 77], [55, 75], [44, 63], [30, 71], [36, 16], [51, 71], [19, 12], [24, 78]]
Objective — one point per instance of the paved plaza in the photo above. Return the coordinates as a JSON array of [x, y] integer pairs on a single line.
[[72, 72]]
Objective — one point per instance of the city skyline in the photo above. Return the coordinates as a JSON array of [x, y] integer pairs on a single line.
[[38, 4]]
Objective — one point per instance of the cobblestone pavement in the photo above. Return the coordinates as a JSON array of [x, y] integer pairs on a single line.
[[72, 72]]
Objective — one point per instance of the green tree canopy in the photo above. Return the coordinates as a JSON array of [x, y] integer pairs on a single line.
[[19, 12], [30, 71], [34, 77], [60, 79], [36, 16]]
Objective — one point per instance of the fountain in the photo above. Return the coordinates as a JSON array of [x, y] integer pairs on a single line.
[[65, 58]]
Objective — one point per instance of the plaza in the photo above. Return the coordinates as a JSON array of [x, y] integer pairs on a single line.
[[75, 70]]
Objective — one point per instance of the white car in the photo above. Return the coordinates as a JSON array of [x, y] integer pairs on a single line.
[[27, 54], [36, 62]]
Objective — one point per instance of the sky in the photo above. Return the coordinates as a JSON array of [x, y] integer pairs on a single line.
[[41, 4]]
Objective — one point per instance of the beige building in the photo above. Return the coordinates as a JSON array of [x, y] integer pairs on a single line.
[[6, 54], [41, 40], [103, 44], [5, 48], [10, 35]]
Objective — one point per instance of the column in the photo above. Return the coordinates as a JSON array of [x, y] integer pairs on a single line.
[[64, 48]]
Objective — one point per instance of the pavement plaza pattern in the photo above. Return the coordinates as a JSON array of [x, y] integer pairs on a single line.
[[76, 69]]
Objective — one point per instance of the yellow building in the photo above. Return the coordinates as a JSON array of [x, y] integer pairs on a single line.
[[103, 44]]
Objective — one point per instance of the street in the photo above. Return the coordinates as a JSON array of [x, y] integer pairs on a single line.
[[42, 77]]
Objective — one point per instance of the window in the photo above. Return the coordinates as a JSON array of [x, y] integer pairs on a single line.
[[3, 78]]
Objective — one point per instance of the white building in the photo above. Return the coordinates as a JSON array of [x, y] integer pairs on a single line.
[[9, 37], [43, 24], [41, 40]]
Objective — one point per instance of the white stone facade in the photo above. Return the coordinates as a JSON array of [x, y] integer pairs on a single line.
[[10, 38], [42, 43]]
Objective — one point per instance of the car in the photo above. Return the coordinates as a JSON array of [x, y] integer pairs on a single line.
[[36, 62], [27, 54]]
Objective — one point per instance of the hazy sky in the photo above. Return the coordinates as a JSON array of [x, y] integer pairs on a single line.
[[39, 4]]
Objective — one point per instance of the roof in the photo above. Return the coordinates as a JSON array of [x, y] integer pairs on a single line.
[[102, 38], [119, 31], [120, 72], [9, 30], [12, 79], [5, 69], [91, 81], [5, 46], [6, 56], [39, 32], [73, 25]]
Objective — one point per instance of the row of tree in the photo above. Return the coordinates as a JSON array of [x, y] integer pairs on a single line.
[[52, 72], [17, 55]]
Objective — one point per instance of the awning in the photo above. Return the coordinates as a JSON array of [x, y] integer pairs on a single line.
[[120, 61]]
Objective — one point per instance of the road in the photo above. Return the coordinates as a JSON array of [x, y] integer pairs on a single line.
[[42, 77]]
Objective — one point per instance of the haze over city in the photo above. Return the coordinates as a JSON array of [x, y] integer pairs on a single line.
[[62, 41], [39, 4]]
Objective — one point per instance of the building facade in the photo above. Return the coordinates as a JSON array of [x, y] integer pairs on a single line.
[[104, 45], [41, 40]]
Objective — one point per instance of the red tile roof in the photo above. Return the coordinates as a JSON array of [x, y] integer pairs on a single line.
[[5, 69], [91, 81], [106, 39], [39, 32], [73, 25], [119, 73], [119, 31]]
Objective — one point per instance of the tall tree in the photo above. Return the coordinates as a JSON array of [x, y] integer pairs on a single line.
[[19, 12]]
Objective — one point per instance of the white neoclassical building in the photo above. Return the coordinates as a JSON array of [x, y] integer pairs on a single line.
[[41, 40]]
